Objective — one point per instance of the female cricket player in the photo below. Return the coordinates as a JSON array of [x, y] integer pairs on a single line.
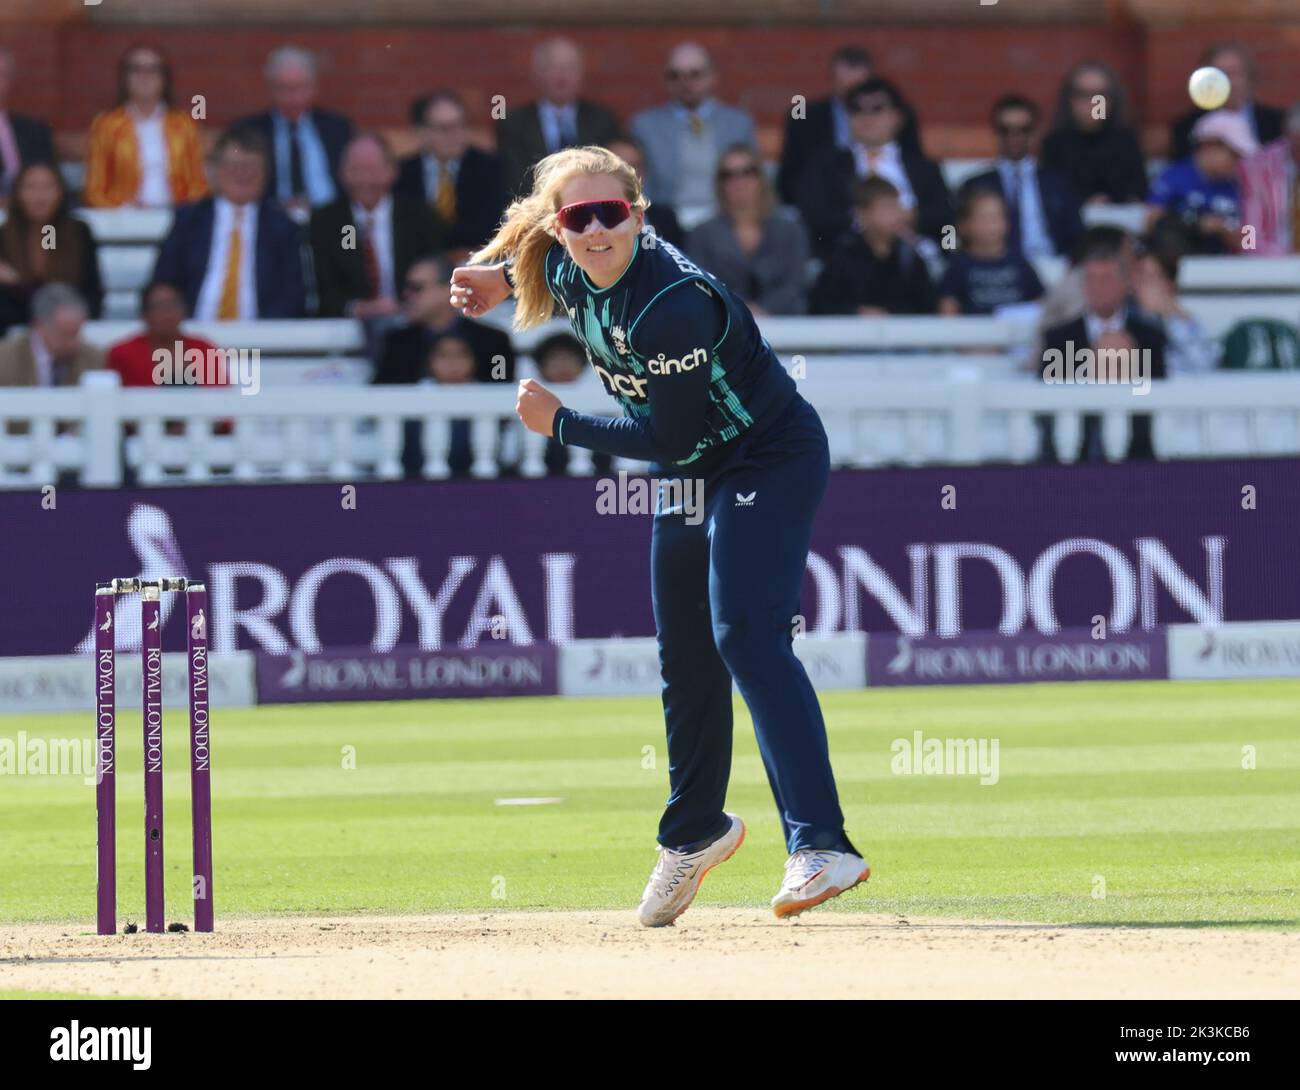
[[706, 400]]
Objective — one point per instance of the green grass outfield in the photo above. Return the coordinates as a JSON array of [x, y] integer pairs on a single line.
[[391, 808]]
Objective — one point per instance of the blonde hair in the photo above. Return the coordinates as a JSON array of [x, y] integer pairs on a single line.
[[525, 231]]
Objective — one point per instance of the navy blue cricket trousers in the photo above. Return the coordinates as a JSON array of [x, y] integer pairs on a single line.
[[726, 592]]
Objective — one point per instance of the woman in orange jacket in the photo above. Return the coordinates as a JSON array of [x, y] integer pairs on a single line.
[[144, 153]]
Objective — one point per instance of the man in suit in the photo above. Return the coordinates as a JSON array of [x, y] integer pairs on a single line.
[[1042, 208], [430, 316], [363, 243], [684, 138], [559, 118], [1113, 328], [463, 186], [23, 139], [1237, 62], [826, 121], [306, 143], [235, 255], [51, 352], [825, 189]]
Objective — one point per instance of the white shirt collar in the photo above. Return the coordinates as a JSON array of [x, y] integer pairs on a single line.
[[380, 212], [1098, 325]]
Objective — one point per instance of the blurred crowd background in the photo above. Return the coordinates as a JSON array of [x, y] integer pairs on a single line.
[[854, 200]]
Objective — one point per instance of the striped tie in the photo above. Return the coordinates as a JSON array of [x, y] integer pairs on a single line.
[[445, 203], [228, 308]]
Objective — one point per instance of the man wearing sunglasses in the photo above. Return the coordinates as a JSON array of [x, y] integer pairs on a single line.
[[1042, 207], [825, 190], [825, 121], [707, 401], [684, 138]]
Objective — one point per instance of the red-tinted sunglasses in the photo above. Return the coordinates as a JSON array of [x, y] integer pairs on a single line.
[[576, 217]]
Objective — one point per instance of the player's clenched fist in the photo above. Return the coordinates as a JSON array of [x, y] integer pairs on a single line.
[[537, 407], [476, 289]]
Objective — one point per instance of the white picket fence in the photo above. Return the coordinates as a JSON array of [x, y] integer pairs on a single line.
[[195, 435]]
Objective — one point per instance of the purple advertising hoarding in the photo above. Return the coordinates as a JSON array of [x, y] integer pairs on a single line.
[[405, 673], [988, 658], [436, 565]]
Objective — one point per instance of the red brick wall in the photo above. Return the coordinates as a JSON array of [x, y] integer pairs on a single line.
[[950, 73]]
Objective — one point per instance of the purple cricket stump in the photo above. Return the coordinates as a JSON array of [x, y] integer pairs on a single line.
[[105, 763], [152, 701], [196, 647]]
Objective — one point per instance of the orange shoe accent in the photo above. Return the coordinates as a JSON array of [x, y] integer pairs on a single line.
[[785, 911], [705, 873]]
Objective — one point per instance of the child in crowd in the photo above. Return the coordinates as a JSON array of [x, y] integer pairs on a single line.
[[876, 270], [986, 274], [1200, 192], [561, 358]]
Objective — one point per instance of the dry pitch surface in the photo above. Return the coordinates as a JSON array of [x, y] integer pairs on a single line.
[[709, 953]]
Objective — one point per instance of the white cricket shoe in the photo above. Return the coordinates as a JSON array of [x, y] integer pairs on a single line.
[[677, 876], [813, 876]]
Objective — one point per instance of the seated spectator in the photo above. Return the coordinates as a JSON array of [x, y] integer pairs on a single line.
[[364, 243], [144, 153], [235, 255], [1093, 142], [684, 138], [659, 216], [305, 143], [559, 118], [1063, 302], [825, 121], [23, 140], [41, 243], [875, 120], [1236, 62], [876, 270], [464, 187], [430, 316], [1110, 323], [1200, 193], [560, 358], [986, 274], [1042, 208], [1188, 349], [1270, 192], [450, 362], [51, 352], [162, 306], [758, 250]]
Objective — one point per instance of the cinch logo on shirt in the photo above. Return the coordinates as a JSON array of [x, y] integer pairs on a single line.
[[688, 362], [627, 385]]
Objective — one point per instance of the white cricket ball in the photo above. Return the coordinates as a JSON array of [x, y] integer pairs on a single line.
[[1209, 88]]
